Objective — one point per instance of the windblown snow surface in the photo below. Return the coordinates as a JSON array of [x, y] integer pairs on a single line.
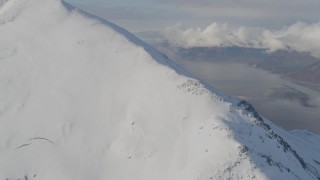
[[81, 98]]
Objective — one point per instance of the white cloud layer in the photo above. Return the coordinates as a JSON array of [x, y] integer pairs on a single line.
[[299, 36]]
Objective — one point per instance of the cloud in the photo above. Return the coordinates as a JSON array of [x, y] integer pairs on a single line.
[[212, 35], [300, 36]]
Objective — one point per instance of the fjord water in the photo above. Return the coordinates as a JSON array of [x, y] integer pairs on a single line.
[[287, 104]]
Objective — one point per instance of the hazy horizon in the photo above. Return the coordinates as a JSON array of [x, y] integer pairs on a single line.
[[156, 15]]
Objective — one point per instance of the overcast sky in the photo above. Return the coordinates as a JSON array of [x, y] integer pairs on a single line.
[[270, 24], [156, 15]]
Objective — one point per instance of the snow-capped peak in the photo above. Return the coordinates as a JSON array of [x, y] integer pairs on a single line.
[[81, 98]]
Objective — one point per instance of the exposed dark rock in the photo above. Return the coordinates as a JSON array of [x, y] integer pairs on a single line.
[[248, 110], [243, 149]]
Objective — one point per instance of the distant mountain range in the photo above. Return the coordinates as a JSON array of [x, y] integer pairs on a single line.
[[310, 74], [292, 65]]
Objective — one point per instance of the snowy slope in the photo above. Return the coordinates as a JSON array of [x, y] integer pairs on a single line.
[[81, 98]]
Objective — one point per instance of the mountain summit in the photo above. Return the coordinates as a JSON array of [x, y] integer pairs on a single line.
[[81, 98]]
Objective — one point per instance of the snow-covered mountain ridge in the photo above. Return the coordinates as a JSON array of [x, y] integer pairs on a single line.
[[81, 98]]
